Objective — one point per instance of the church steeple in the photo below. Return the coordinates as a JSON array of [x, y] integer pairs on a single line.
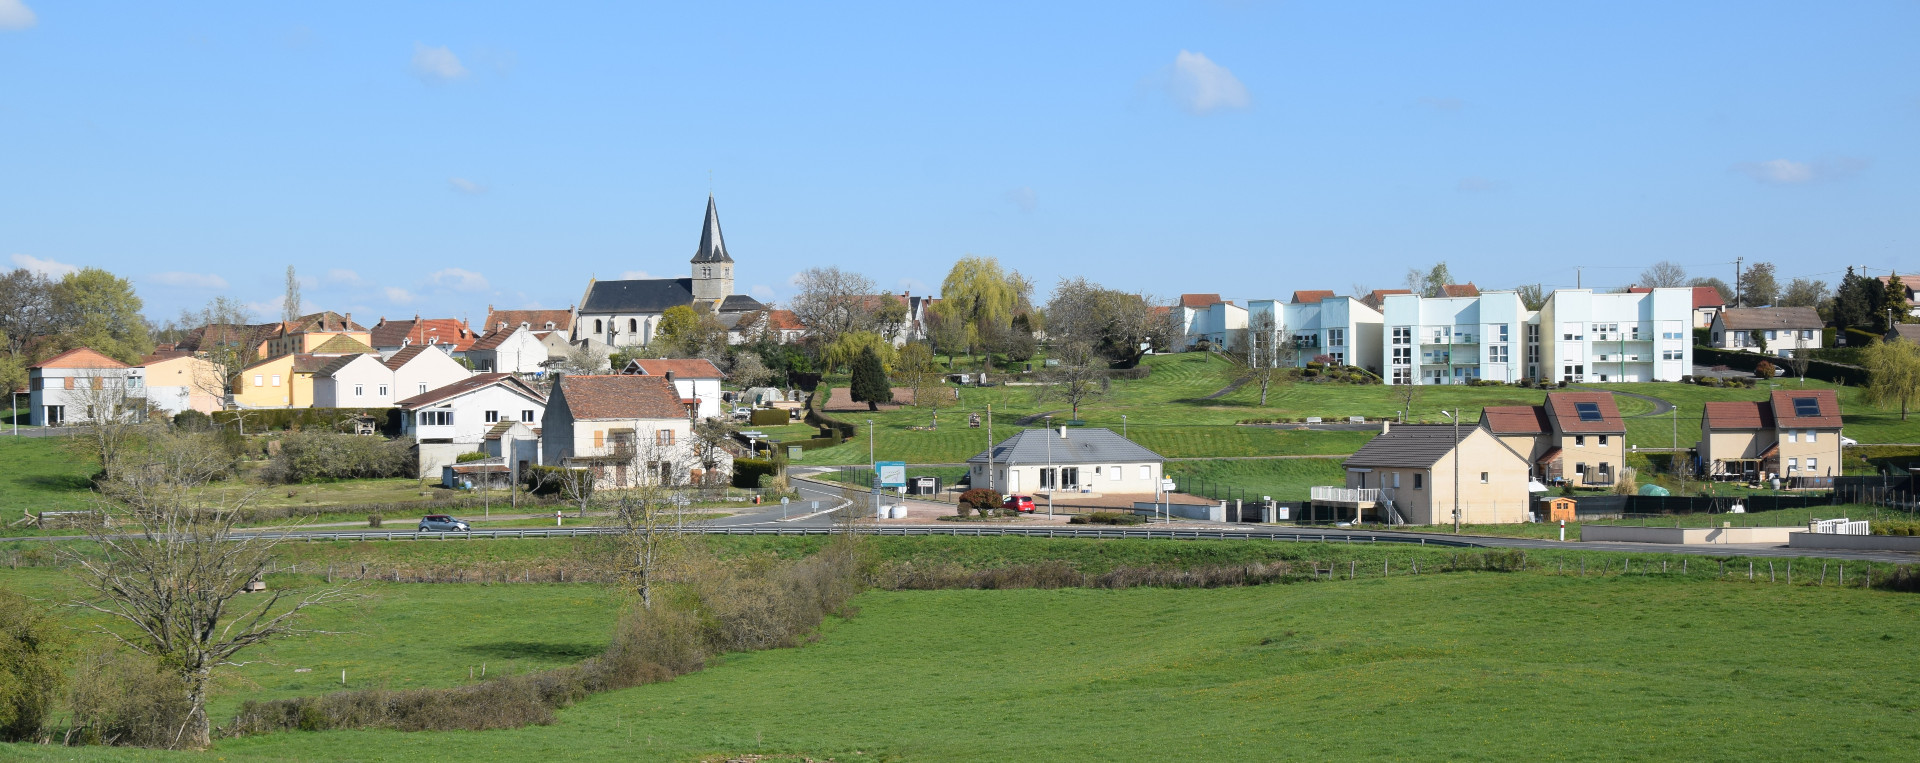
[[712, 266]]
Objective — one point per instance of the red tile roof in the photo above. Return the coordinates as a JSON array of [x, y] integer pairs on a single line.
[[1560, 406], [1308, 297], [535, 320], [1703, 296], [1516, 419], [454, 333], [470, 384], [1739, 415], [80, 357], [681, 368], [1378, 297], [1460, 289], [620, 397], [1786, 415], [1198, 300], [784, 320], [326, 320]]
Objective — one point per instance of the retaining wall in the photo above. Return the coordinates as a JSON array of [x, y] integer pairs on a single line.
[[1804, 539]]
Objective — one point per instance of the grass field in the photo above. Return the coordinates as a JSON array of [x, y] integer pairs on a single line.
[[1467, 665], [38, 473], [1284, 479]]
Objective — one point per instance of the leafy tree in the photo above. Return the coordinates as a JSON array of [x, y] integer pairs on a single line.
[[1115, 323], [915, 370], [1893, 306], [1759, 339], [846, 350], [1726, 292], [747, 370], [1804, 292], [1431, 282], [677, 326], [33, 650], [97, 309], [1757, 285], [869, 383], [979, 295], [948, 335], [1893, 369], [13, 370], [1663, 274], [1532, 295]]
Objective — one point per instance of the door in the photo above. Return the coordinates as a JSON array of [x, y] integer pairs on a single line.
[[1070, 477], [56, 415], [1013, 480]]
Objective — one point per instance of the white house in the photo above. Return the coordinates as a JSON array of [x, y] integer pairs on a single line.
[[1589, 337], [353, 381], [1093, 460], [1455, 340], [79, 384], [628, 430], [512, 350], [457, 418], [1319, 323], [419, 369], [694, 378]]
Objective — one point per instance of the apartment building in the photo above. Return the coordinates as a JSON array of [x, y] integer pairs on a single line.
[[1587, 337], [1317, 323], [1456, 340]]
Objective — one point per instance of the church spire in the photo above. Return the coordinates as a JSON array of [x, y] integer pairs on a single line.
[[712, 247]]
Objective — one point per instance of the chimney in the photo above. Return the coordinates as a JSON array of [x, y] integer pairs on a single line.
[[1385, 425], [1063, 431], [669, 377]]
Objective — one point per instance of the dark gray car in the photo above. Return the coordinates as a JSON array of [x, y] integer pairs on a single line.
[[441, 523]]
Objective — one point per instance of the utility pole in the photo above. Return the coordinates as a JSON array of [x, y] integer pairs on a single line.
[[989, 446], [1576, 276], [1455, 415], [1736, 280], [1056, 472]]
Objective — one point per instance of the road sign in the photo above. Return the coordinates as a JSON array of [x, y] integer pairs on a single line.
[[891, 473]]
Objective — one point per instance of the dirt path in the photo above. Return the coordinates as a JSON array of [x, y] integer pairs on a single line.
[[1228, 390]]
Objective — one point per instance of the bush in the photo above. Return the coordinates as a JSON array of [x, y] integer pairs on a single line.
[[1107, 518], [467, 458], [311, 456], [125, 699], [964, 509], [747, 471], [374, 520], [301, 419], [1764, 369], [981, 498], [769, 417], [32, 667], [192, 420]]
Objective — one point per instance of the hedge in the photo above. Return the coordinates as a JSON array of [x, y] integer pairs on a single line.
[[841, 429], [290, 419], [747, 471], [769, 417], [1748, 361]]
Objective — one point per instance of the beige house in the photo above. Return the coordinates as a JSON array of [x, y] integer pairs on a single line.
[[1575, 438], [629, 430], [1793, 435], [1406, 476], [178, 381], [1783, 329]]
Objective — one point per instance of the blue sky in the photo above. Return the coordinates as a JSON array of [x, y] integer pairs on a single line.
[[438, 158]]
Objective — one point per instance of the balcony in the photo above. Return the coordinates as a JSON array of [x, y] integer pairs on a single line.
[[1346, 495]]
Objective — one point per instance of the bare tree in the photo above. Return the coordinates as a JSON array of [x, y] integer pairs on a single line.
[[1263, 352], [169, 583], [1797, 361], [116, 417], [1080, 377], [747, 370], [1408, 394], [1116, 324], [226, 347], [1663, 274], [832, 302], [709, 443], [647, 521]]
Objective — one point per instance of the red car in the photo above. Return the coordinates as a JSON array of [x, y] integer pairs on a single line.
[[1018, 503]]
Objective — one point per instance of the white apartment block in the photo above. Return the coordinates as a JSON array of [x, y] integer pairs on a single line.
[[1341, 328], [1577, 337]]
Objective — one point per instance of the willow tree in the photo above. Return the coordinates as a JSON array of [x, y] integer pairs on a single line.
[[980, 295], [1893, 369]]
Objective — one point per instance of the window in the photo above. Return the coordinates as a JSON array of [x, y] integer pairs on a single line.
[[596, 326], [1339, 358], [1793, 435], [1336, 337], [1579, 441], [1813, 436], [1671, 355], [1403, 335], [1502, 331], [633, 326], [1483, 478], [276, 380], [383, 390], [1806, 406], [1497, 353], [359, 390], [1603, 441], [1793, 464], [1770, 335], [1403, 376], [259, 381], [1417, 482], [1396, 480], [663, 437], [493, 417], [599, 439], [526, 415], [1812, 463], [1587, 411], [1113, 473], [1403, 356], [1146, 472], [441, 419]]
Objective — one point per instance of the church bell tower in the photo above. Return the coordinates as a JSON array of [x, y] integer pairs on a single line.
[[712, 266]]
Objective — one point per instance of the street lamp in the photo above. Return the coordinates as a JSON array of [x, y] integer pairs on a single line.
[[1455, 416]]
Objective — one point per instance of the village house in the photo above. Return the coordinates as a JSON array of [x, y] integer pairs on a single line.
[[353, 381], [627, 430], [1092, 459], [419, 369], [177, 380], [1773, 330], [694, 378], [1406, 475], [1794, 434], [453, 336], [282, 381], [75, 386], [1574, 438], [460, 417], [308, 333], [514, 350]]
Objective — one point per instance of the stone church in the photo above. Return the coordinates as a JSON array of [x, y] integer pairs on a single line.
[[627, 313]]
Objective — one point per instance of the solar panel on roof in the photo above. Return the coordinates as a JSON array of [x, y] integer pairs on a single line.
[[1587, 411], [1806, 406]]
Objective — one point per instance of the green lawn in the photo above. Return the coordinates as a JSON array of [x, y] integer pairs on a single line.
[[1284, 479], [39, 474], [1468, 665]]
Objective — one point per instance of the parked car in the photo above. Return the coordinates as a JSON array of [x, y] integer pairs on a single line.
[[742, 413], [441, 523], [1023, 503]]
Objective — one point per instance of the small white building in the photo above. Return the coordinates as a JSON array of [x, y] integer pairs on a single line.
[[79, 384], [459, 417], [353, 381], [1093, 459], [419, 369], [512, 350], [1781, 330], [694, 378]]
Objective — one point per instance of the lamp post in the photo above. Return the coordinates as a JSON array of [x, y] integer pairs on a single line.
[[1455, 417]]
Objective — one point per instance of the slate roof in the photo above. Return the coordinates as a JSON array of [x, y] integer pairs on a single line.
[[1739, 415], [341, 344], [536, 320], [1312, 296], [1560, 406], [739, 303], [1787, 415], [1907, 331], [472, 383], [1092, 445], [681, 368], [1197, 301], [650, 295], [80, 357], [1409, 445], [620, 397], [1516, 419], [447, 331], [713, 247], [1763, 318]]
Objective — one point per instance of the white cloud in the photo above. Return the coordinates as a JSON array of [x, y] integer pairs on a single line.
[[398, 295], [1789, 172], [634, 275], [1201, 86], [434, 64], [761, 292], [48, 268], [343, 277], [1479, 185], [458, 280], [1024, 198], [14, 14], [464, 185], [189, 280]]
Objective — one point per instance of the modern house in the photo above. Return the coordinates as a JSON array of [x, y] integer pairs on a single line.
[[1793, 434], [1191, 312], [1773, 330], [353, 381], [307, 333], [694, 378], [514, 350], [459, 417], [1456, 340], [77, 385], [1406, 475], [627, 313], [1574, 438], [1093, 460], [419, 369], [1317, 323], [1589, 337], [628, 430], [453, 336], [177, 380]]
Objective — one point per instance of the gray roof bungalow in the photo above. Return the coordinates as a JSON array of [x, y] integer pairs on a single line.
[[1089, 460]]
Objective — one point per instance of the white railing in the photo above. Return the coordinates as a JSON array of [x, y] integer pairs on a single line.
[[1345, 494], [1841, 526]]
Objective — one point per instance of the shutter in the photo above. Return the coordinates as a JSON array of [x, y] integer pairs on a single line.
[[69, 382], [599, 438]]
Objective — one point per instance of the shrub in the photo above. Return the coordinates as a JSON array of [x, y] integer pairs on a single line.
[[964, 509], [981, 498], [1763, 370], [125, 699], [32, 666], [374, 520], [747, 471], [769, 417], [192, 420], [319, 455], [1107, 518], [467, 458]]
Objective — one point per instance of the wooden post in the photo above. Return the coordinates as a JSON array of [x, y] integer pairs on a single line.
[[1843, 574]]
